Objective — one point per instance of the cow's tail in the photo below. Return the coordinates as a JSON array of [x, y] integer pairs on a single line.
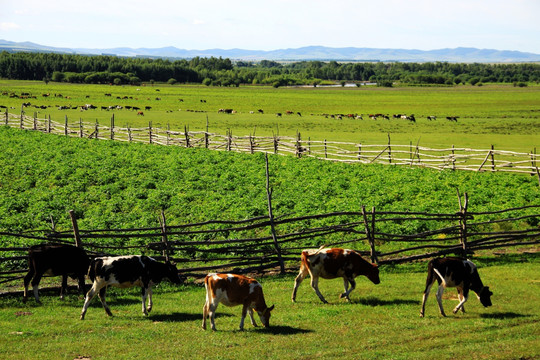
[[92, 270], [306, 254]]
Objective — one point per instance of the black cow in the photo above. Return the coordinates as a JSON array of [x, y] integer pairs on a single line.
[[55, 260], [124, 272], [459, 273]]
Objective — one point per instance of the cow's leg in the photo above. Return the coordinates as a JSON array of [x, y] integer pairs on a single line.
[[206, 308], [102, 293], [81, 284], [63, 287], [250, 312], [429, 284], [463, 299], [144, 295], [212, 307], [315, 286], [244, 312], [89, 296], [348, 291], [440, 292], [27, 280], [301, 276], [35, 285], [150, 302]]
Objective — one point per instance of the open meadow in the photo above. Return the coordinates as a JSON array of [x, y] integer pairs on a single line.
[[112, 184], [501, 115]]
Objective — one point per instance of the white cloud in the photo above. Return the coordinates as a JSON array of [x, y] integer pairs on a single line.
[[7, 26]]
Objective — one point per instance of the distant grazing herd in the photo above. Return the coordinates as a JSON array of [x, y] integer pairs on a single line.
[[230, 289], [139, 110]]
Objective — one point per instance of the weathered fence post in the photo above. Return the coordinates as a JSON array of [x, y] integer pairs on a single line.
[[206, 134], [35, 121], [453, 158], [112, 127], [7, 117], [298, 144], [164, 239], [186, 134], [150, 132], [360, 152], [325, 150], [22, 117], [271, 216], [463, 221], [76, 234], [130, 137], [309, 145], [49, 124], [492, 158], [168, 133], [66, 132], [229, 139], [97, 129], [276, 144], [389, 151], [80, 128], [369, 227]]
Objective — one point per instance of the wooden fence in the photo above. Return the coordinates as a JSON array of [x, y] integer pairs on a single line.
[[260, 244], [404, 155]]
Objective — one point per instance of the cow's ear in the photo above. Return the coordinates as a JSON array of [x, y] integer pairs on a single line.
[[271, 308]]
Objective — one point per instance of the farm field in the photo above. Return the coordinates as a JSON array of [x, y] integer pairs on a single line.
[[382, 321], [501, 115]]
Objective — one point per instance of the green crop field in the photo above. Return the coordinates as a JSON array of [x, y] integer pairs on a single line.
[[501, 115]]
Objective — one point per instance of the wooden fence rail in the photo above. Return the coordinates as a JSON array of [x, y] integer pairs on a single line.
[[393, 154], [251, 244]]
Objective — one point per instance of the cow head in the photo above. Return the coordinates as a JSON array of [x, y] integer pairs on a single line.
[[265, 316], [373, 274], [172, 273], [485, 296]]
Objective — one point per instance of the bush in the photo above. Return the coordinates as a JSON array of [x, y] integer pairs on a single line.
[[172, 81]]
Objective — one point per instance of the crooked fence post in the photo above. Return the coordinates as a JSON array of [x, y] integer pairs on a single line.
[[76, 234], [463, 221], [369, 232], [164, 239], [271, 216]]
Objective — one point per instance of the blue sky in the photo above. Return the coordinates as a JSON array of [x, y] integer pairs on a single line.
[[275, 24]]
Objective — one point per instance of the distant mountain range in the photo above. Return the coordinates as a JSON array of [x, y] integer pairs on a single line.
[[460, 54]]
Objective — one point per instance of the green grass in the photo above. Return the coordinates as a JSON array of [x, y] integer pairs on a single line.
[[381, 322], [500, 115]]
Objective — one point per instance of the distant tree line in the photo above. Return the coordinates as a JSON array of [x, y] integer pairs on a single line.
[[223, 72]]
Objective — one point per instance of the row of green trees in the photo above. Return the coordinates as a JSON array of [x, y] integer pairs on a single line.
[[223, 72]]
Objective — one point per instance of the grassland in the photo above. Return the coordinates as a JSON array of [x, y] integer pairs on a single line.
[[501, 115], [382, 321]]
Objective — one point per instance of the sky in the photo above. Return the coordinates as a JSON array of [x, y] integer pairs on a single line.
[[274, 24]]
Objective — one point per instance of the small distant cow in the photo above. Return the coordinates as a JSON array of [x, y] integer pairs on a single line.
[[124, 272], [459, 273], [55, 260], [140, 113], [233, 290], [333, 263], [431, 117]]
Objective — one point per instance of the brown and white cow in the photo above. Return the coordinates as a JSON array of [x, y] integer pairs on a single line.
[[234, 290], [459, 273], [124, 272], [333, 263]]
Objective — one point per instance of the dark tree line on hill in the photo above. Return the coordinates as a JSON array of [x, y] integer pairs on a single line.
[[223, 72]]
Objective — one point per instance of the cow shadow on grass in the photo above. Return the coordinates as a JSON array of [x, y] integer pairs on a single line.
[[504, 315], [282, 330], [372, 301], [181, 317]]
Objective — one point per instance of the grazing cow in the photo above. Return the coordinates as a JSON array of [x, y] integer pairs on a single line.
[[140, 113], [124, 272], [333, 263], [431, 117], [55, 260], [233, 290], [452, 118], [459, 273]]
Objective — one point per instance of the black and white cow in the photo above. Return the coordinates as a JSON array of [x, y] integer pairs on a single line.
[[124, 272], [459, 273], [55, 260]]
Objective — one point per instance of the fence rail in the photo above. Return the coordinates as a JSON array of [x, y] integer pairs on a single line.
[[252, 245], [453, 158]]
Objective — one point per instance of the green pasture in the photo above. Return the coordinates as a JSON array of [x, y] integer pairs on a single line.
[[381, 322], [501, 115]]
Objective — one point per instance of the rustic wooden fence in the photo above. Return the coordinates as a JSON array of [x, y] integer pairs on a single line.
[[259, 244], [453, 158]]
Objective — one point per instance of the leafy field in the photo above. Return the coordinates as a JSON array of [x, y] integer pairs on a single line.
[[382, 321], [501, 115]]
